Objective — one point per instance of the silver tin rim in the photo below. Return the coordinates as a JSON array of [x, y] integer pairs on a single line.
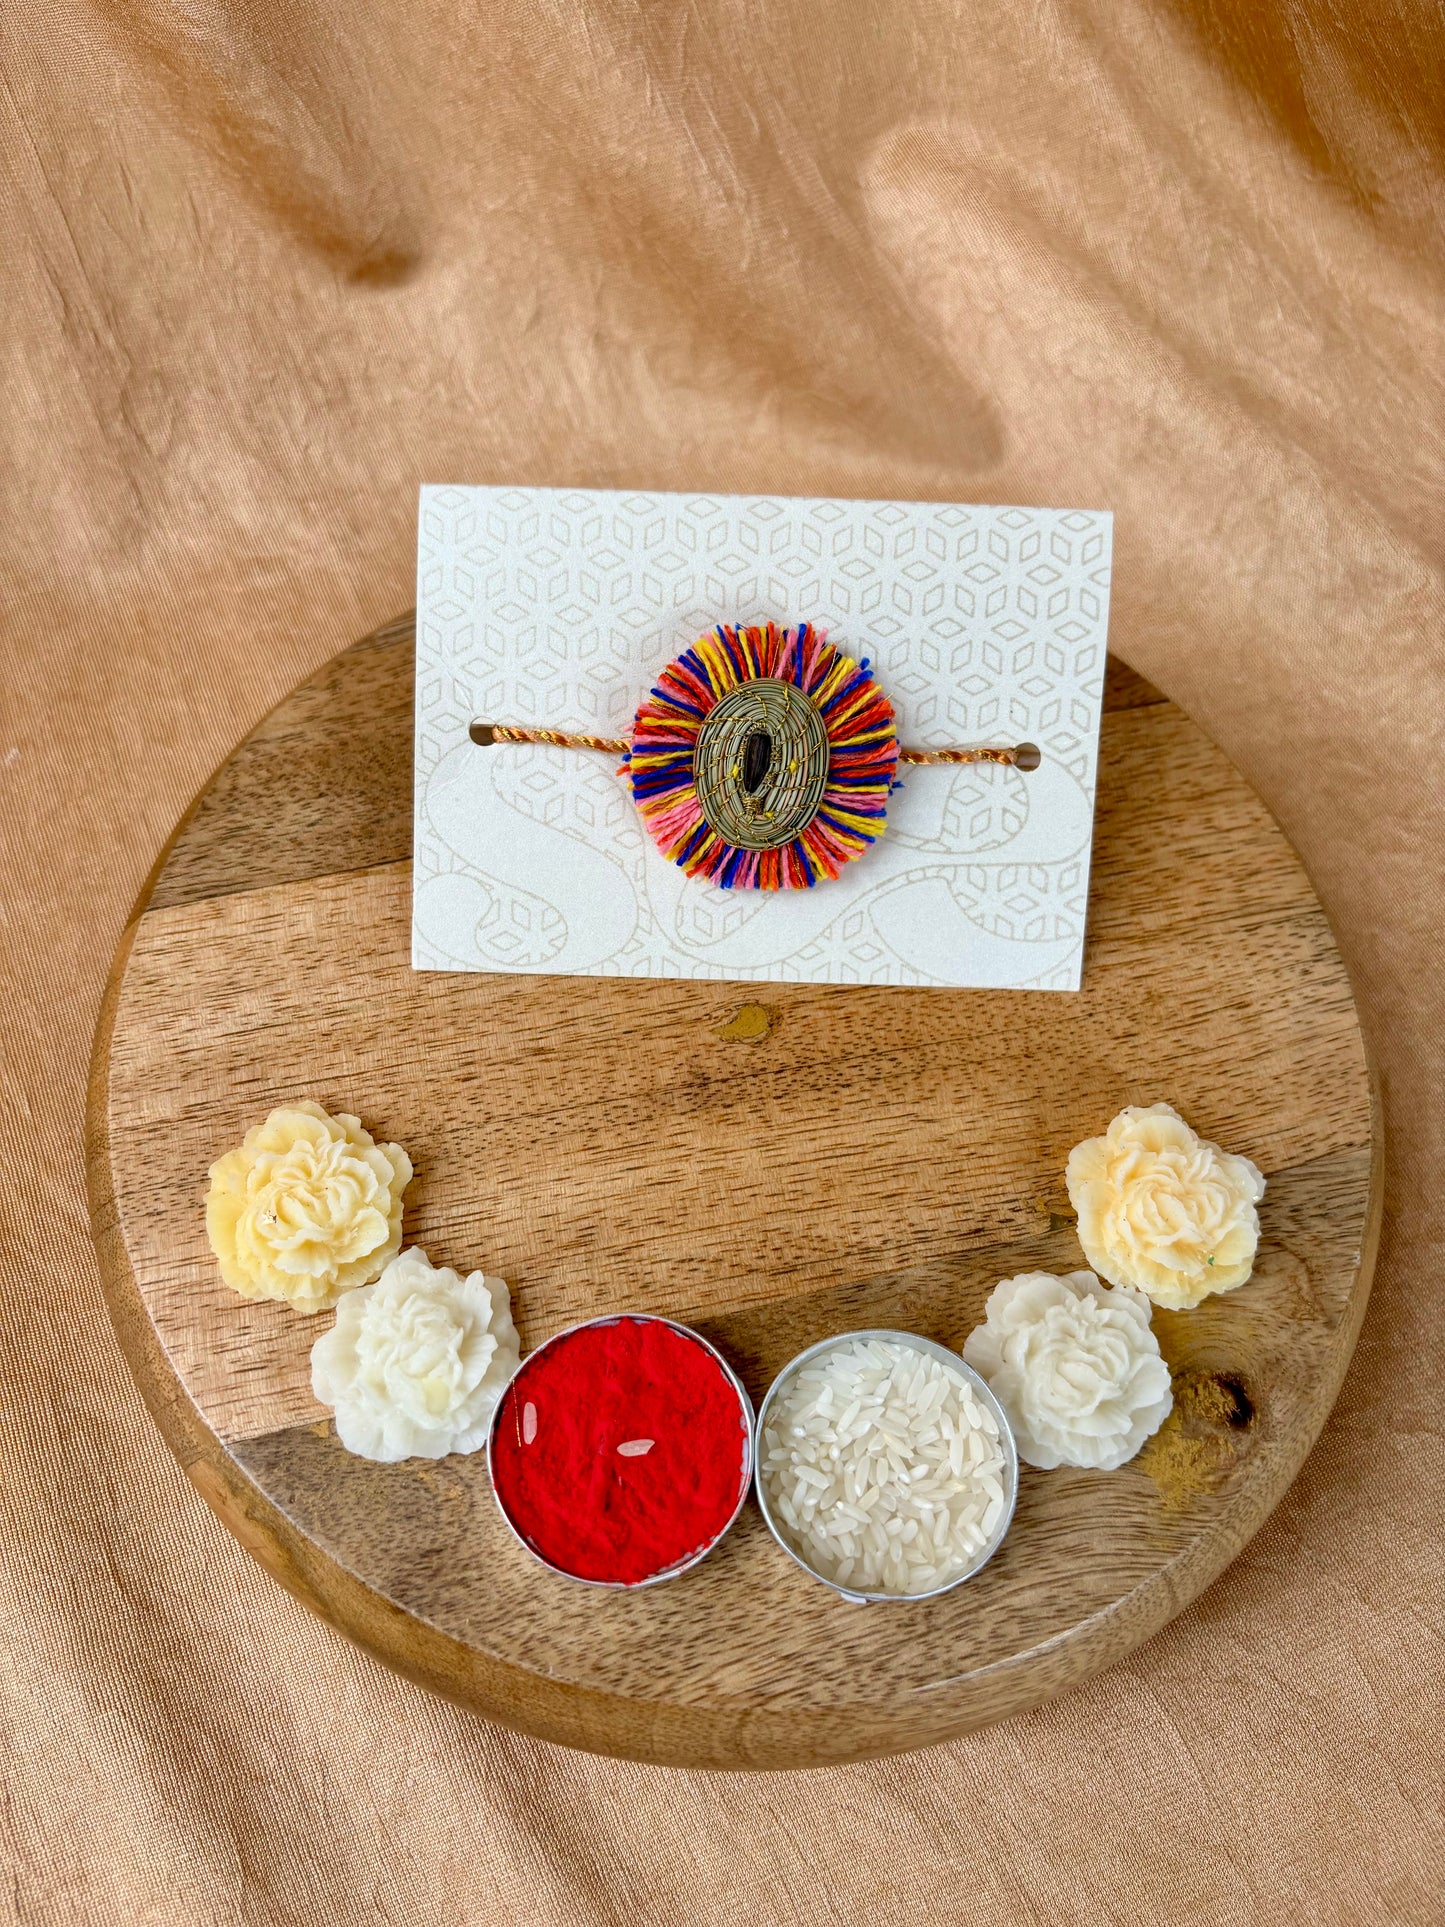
[[749, 1436], [978, 1385]]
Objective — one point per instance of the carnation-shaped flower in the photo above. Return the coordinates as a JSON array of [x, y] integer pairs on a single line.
[[1075, 1366], [415, 1363], [309, 1206], [1164, 1210]]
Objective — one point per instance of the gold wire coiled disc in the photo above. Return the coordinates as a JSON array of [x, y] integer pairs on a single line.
[[762, 764]]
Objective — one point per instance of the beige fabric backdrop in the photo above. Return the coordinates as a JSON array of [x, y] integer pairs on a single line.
[[268, 266]]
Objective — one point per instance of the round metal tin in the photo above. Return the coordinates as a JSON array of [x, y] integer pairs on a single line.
[[985, 1397], [749, 1425]]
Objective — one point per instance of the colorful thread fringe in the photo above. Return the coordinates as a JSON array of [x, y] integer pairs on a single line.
[[863, 756]]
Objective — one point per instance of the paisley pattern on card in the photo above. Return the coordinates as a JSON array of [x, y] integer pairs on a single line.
[[558, 608]]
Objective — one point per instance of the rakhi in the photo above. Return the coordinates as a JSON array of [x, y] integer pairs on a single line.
[[763, 759]]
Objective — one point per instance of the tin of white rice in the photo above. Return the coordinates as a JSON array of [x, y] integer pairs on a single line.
[[883, 1468]]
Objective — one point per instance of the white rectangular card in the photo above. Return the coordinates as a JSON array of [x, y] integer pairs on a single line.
[[558, 607]]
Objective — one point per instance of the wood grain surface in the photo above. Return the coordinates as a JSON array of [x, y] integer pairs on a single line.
[[616, 1143]]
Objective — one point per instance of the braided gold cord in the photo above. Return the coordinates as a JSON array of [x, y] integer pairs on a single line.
[[1024, 756], [559, 739], [981, 755]]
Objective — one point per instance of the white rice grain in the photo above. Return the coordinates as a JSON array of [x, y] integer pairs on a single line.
[[883, 1468]]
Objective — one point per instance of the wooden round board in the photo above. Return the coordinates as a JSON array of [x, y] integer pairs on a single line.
[[769, 1164]]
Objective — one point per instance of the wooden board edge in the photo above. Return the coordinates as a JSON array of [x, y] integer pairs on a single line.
[[716, 1737], [160, 1386], [385, 636]]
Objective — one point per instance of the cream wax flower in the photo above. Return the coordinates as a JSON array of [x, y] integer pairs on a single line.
[[1075, 1366], [1164, 1210], [309, 1206], [415, 1363]]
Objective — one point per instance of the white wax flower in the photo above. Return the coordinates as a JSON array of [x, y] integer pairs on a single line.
[[308, 1206], [1164, 1210], [1075, 1366], [415, 1363]]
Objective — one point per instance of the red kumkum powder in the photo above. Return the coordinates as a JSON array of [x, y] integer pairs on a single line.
[[620, 1450]]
